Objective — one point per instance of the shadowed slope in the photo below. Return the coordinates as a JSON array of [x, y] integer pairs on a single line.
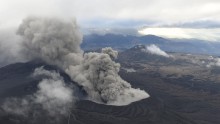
[[17, 82]]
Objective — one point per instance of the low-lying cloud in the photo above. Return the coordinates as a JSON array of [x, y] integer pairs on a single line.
[[213, 62], [54, 94], [153, 49], [53, 97]]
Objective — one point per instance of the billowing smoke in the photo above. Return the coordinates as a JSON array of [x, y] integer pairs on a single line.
[[57, 42], [98, 75], [112, 53], [52, 40], [153, 49], [53, 94]]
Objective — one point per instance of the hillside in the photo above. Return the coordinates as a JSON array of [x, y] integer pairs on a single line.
[[17, 82]]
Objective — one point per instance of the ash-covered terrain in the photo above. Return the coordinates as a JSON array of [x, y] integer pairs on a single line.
[[58, 83], [151, 110], [187, 84], [178, 94]]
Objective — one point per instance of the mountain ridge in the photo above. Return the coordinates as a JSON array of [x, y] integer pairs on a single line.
[[122, 42]]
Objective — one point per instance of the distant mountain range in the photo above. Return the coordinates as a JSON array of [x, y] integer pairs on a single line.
[[122, 42]]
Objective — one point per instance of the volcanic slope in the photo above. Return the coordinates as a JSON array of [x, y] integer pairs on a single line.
[[16, 81]]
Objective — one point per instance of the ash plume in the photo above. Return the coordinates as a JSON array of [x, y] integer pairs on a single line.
[[52, 40], [57, 42], [98, 74], [112, 53]]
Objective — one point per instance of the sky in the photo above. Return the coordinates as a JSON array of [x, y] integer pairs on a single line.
[[198, 19]]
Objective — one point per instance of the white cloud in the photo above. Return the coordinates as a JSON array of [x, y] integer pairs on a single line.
[[129, 70], [210, 34], [112, 12], [157, 10], [153, 49], [213, 62], [53, 95]]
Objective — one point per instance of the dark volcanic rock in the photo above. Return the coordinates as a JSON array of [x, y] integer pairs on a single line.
[[16, 81], [135, 54]]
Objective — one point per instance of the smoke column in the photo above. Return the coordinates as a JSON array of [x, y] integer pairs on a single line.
[[57, 42]]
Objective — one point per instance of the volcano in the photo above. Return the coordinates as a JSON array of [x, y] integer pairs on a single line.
[[16, 81]]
